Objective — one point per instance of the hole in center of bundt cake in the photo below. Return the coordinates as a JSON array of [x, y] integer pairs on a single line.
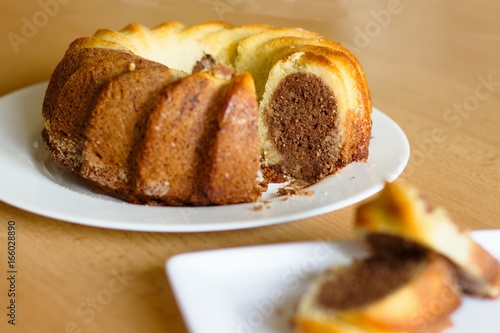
[[301, 117]]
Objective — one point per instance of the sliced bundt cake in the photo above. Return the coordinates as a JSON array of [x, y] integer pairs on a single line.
[[179, 115]]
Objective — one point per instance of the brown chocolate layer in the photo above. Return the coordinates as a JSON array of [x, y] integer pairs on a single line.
[[301, 119], [367, 281], [385, 245]]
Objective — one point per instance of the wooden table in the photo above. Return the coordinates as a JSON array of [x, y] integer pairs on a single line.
[[433, 66]]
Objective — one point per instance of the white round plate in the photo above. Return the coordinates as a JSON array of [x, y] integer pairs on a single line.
[[31, 181]]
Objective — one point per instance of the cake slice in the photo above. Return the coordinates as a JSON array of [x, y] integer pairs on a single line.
[[76, 99], [401, 212], [74, 58], [414, 293], [112, 134], [419, 265], [234, 158]]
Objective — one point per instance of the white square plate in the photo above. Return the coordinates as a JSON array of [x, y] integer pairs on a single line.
[[255, 289]]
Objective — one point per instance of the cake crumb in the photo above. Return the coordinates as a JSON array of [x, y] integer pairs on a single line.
[[257, 208], [222, 72], [291, 191], [131, 66], [296, 188], [273, 174]]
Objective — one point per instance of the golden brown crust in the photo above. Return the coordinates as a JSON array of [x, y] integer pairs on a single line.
[[75, 101], [234, 155], [191, 152], [112, 136], [95, 43], [179, 131], [74, 58]]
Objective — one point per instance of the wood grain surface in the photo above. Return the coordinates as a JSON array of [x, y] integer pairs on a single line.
[[432, 65]]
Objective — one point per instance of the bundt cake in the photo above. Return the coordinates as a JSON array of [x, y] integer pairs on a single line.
[[178, 115]]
